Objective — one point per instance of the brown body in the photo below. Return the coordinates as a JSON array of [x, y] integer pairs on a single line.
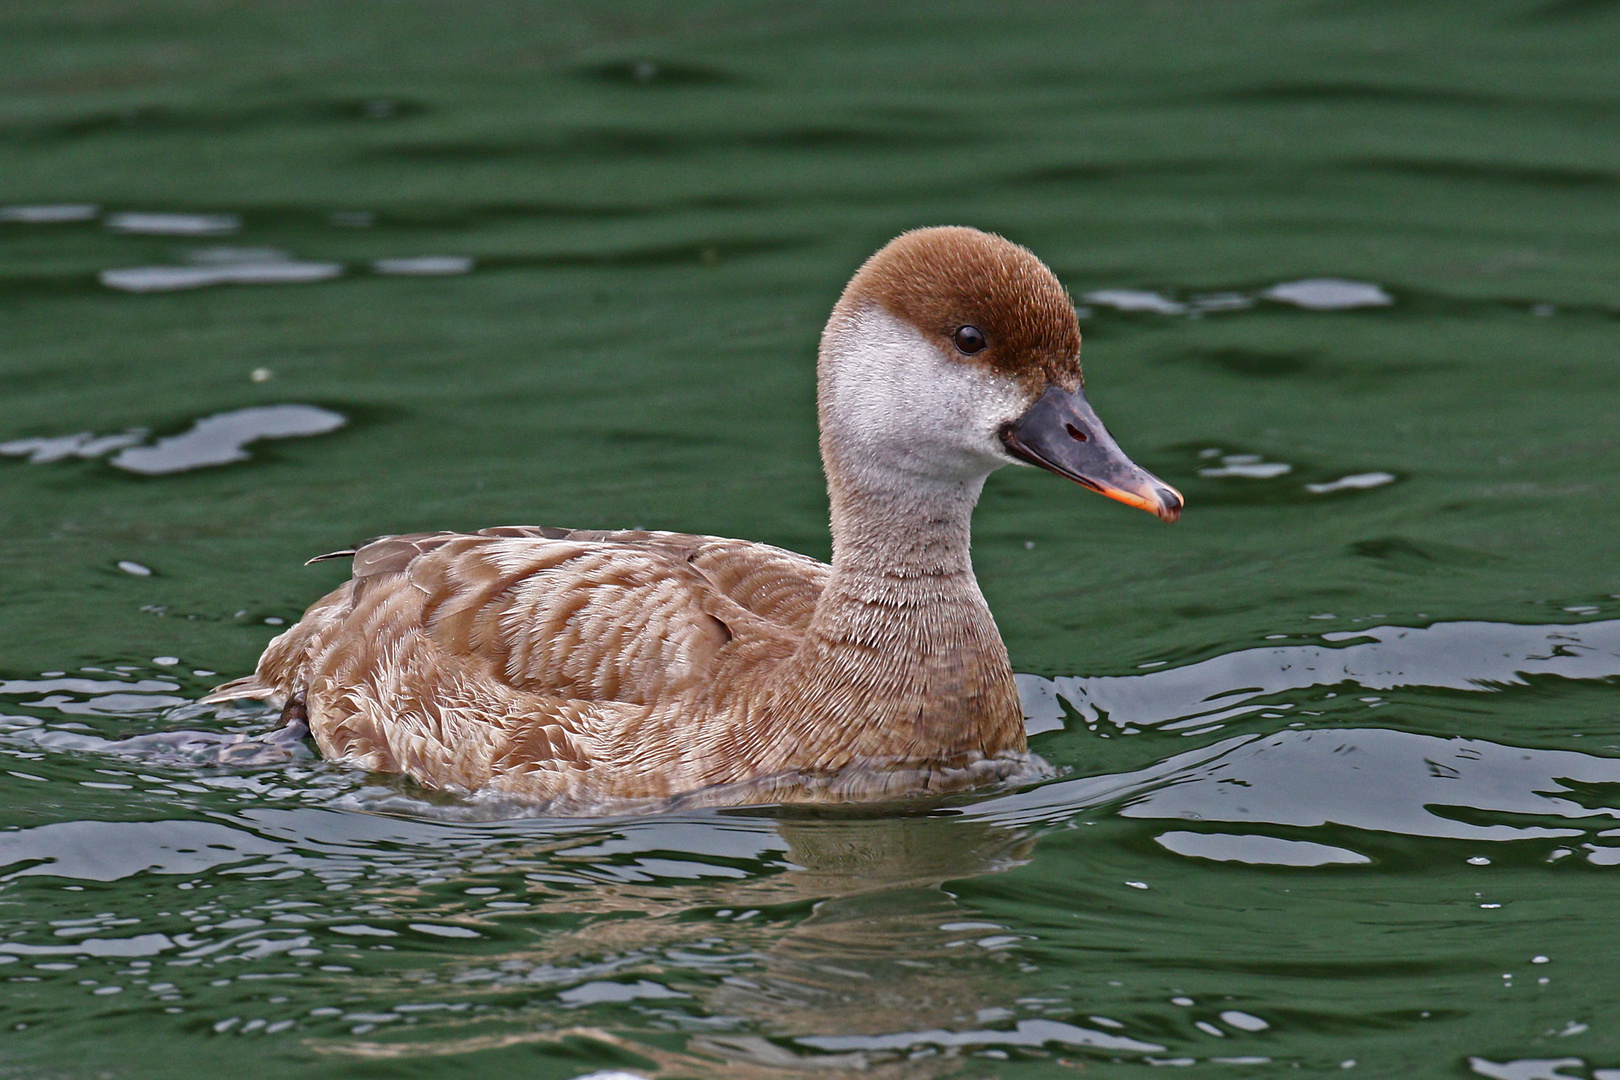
[[587, 668], [600, 666]]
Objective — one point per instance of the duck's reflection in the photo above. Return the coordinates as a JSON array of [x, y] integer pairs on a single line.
[[856, 932], [887, 947]]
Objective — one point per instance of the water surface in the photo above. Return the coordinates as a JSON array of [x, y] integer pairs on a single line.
[[1339, 753]]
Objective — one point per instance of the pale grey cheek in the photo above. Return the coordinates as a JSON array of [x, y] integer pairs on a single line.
[[899, 398], [999, 406]]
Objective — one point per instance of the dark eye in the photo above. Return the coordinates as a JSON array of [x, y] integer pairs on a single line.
[[970, 339]]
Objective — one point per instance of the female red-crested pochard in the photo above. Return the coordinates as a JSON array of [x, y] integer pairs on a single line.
[[586, 669]]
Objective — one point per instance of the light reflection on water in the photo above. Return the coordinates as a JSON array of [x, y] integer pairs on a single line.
[[173, 224], [266, 266], [1329, 294], [145, 279], [221, 439], [424, 265], [50, 213], [1312, 294], [214, 440], [1479, 656]]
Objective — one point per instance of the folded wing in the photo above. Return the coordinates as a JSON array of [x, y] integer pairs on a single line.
[[447, 655]]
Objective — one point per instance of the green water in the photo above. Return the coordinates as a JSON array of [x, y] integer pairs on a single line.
[[1341, 768]]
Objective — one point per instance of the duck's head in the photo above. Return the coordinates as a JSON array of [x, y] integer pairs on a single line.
[[953, 352]]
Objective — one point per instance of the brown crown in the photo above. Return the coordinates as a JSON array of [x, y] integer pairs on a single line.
[[940, 279]]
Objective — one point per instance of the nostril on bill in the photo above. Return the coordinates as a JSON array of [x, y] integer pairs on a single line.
[[1075, 433]]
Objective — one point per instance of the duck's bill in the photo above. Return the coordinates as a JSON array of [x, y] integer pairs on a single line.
[[1061, 433]]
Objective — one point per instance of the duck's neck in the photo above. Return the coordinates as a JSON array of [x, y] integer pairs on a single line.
[[902, 647]]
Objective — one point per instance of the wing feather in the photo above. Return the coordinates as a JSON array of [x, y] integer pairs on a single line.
[[539, 621]]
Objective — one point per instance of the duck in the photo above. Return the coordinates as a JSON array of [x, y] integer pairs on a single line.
[[590, 670]]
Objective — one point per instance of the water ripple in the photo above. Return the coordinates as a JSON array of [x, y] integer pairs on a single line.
[[1450, 655]]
